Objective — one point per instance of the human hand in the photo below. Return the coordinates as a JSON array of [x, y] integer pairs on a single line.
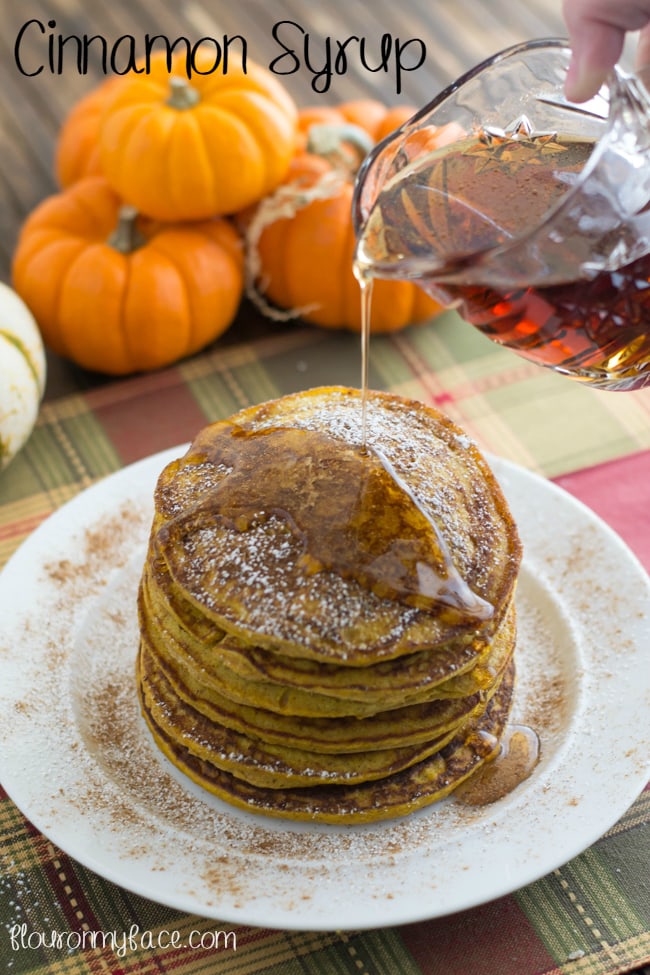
[[597, 30]]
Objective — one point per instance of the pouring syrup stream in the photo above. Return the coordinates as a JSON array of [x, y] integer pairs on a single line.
[[365, 285]]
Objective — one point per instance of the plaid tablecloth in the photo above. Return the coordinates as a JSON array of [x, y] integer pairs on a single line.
[[592, 916]]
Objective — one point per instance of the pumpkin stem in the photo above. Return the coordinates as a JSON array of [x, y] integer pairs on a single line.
[[333, 142], [181, 94], [126, 237]]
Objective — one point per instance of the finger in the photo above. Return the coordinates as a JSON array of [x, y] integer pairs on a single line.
[[596, 48], [642, 57]]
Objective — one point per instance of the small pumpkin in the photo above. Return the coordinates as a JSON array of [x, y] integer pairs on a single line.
[[77, 146], [22, 373], [301, 243], [117, 293], [77, 151], [369, 114], [187, 150]]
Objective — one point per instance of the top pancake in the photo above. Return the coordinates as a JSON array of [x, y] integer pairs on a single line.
[[253, 578]]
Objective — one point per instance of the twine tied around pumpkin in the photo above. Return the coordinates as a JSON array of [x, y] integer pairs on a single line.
[[329, 142]]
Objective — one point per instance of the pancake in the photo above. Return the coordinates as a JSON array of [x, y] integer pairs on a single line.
[[311, 689], [192, 630], [261, 762], [328, 630], [254, 583], [405, 725], [417, 786]]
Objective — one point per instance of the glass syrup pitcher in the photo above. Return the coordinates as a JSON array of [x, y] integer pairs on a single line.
[[527, 212]]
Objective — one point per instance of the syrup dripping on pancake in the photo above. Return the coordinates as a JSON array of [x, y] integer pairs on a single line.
[[350, 509]]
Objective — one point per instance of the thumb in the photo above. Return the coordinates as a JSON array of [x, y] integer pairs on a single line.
[[594, 54], [642, 57], [583, 80]]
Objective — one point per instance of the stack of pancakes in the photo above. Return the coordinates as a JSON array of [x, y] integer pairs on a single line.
[[327, 629]]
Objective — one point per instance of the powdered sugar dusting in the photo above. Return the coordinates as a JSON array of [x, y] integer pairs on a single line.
[[264, 561], [252, 582]]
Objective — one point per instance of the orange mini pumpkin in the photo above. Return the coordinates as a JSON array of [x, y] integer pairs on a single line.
[[371, 115], [77, 151], [77, 146], [301, 243], [187, 150], [118, 294]]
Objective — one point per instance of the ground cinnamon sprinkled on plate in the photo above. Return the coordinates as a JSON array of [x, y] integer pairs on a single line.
[[108, 542]]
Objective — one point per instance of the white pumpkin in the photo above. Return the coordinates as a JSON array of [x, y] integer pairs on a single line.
[[22, 373]]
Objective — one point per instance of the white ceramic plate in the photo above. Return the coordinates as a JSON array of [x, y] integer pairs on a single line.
[[77, 760]]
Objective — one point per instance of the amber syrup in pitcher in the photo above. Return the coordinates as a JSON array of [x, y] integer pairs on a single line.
[[485, 191]]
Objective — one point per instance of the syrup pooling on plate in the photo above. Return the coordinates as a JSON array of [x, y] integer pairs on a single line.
[[514, 759], [352, 512]]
